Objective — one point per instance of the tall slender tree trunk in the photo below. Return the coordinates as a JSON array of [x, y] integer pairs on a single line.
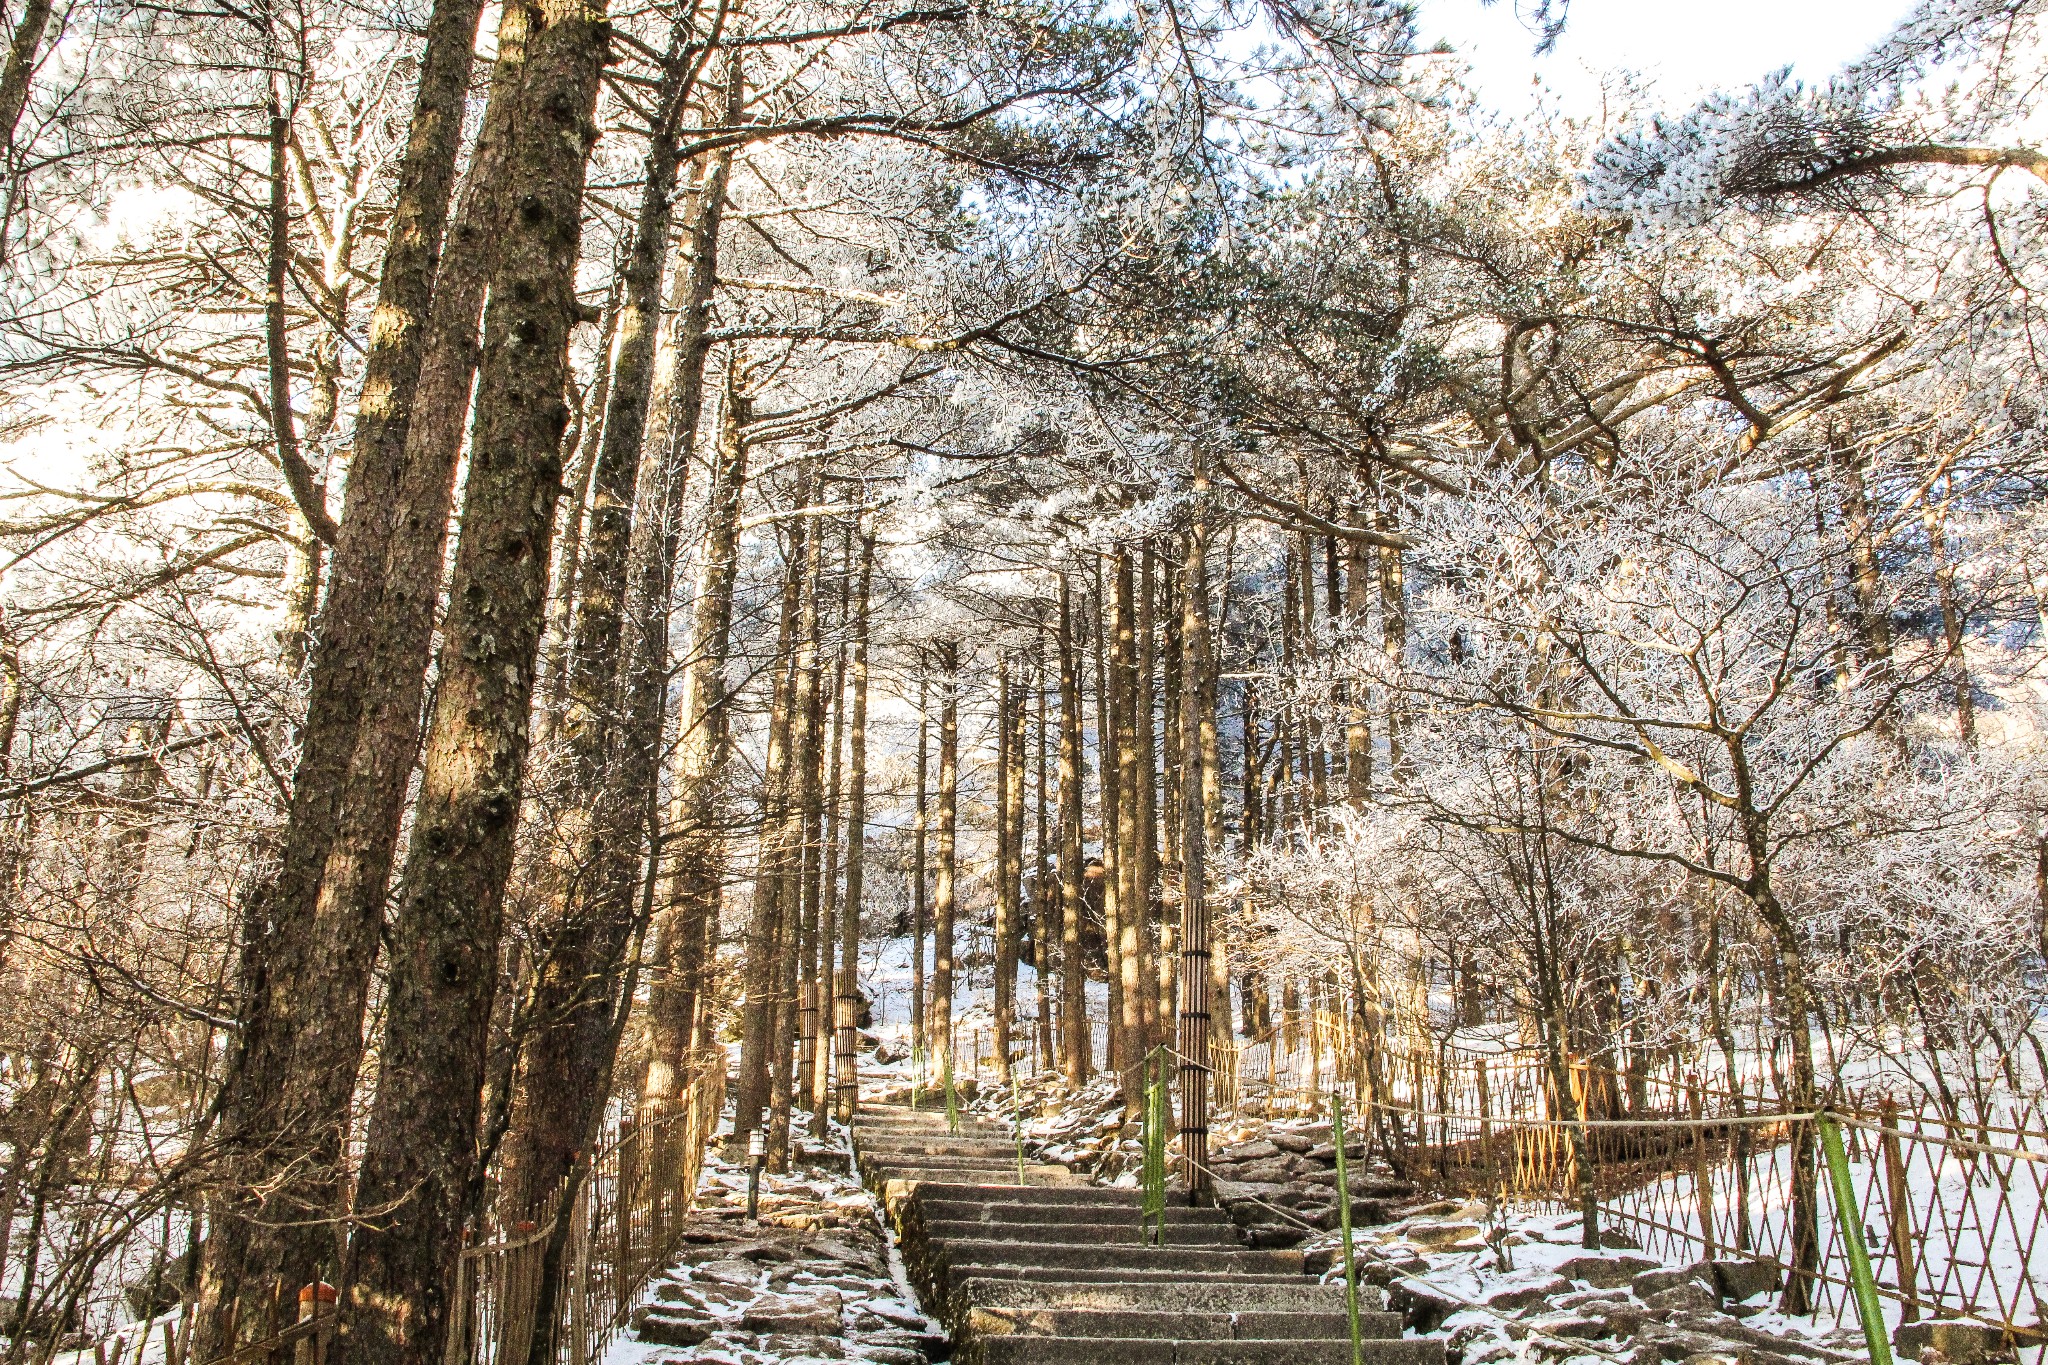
[[1009, 858], [944, 904], [1117, 811], [846, 996], [1132, 992], [1200, 830], [305, 971], [696, 881], [421, 1149], [1043, 903], [1074, 1032], [920, 911], [764, 927], [823, 996]]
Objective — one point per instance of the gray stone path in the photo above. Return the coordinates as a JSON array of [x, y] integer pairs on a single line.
[[1047, 1269]]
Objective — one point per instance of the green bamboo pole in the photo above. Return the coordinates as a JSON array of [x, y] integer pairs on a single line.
[[1868, 1309], [1344, 1222]]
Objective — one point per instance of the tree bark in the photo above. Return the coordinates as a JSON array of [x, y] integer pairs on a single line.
[[305, 974], [920, 919], [1114, 808], [1199, 796], [846, 996], [943, 883], [418, 1166], [1076, 1045], [1009, 791], [679, 1004], [1043, 901], [764, 927]]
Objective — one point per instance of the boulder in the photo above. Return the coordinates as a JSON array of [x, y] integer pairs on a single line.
[[1606, 1272], [1570, 1326], [667, 1327], [1422, 1307], [1664, 1277], [816, 1311], [1268, 1170], [1258, 1150], [1291, 1142], [1739, 1280], [1690, 1297], [1441, 1236], [1513, 1298], [1963, 1343], [730, 1272]]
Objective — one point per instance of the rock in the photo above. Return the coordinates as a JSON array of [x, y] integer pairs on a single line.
[[1606, 1272], [1291, 1142], [1733, 1356], [1592, 1300], [1387, 1269], [1326, 1152], [1513, 1298], [1422, 1306], [1690, 1297], [902, 1314], [1239, 1153], [839, 1251], [730, 1272], [1231, 1193], [885, 1355], [1441, 1236], [816, 1311], [1739, 1280], [790, 1348], [1570, 1326], [1663, 1278], [1273, 1236], [1964, 1343], [669, 1328], [1271, 1170]]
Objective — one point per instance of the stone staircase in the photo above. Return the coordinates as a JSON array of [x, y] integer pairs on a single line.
[[1050, 1270]]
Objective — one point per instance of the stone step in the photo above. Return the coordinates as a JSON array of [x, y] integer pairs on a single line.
[[940, 1150], [1118, 1233], [1017, 1350], [986, 1177], [988, 1251], [1103, 1195], [1020, 1211], [1293, 1295], [960, 1275], [1170, 1325]]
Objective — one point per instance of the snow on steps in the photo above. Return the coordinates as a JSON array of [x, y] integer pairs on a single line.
[[1051, 1270]]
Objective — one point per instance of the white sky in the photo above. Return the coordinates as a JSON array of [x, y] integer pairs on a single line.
[[1686, 45]]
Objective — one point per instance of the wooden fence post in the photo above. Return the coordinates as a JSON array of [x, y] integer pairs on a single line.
[[1702, 1164], [1899, 1210]]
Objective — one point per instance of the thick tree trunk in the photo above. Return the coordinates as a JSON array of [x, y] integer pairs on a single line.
[[23, 52], [418, 1167], [305, 977], [944, 903], [846, 995], [1075, 1043], [613, 698], [1132, 994]]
